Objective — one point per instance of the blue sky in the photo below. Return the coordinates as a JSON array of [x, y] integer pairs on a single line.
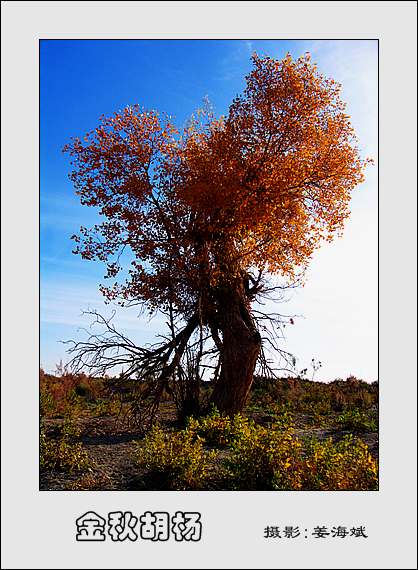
[[81, 80]]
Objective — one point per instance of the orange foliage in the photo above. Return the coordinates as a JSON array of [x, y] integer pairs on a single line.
[[258, 188]]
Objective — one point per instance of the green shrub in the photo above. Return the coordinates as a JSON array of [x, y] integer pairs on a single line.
[[260, 458], [103, 408], [346, 465], [356, 420], [46, 403], [176, 460], [264, 459], [64, 453], [82, 391], [218, 430], [282, 414]]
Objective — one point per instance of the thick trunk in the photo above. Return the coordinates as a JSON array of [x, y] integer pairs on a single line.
[[241, 343], [191, 402]]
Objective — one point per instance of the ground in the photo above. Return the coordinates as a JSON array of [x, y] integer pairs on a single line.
[[110, 443]]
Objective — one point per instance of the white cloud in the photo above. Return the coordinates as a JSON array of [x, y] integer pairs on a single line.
[[64, 303]]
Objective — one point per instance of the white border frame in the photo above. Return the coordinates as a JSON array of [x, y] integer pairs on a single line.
[[38, 528]]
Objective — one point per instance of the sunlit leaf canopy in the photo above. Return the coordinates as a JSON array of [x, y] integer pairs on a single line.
[[257, 189]]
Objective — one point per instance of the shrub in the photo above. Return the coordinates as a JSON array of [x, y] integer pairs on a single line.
[[260, 459], [174, 461], [64, 453], [282, 414], [103, 408], [264, 459], [356, 420], [46, 403], [218, 430], [67, 394], [346, 465], [300, 394], [58, 396]]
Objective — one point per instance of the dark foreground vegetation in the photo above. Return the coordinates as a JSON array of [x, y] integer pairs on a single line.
[[294, 434]]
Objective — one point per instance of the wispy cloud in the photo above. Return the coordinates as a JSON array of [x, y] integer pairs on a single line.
[[236, 62], [64, 303], [64, 212], [353, 63], [249, 45]]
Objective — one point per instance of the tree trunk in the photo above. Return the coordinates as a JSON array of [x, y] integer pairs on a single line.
[[191, 402], [241, 344]]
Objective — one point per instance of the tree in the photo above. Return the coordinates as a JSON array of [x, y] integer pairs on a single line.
[[211, 213]]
